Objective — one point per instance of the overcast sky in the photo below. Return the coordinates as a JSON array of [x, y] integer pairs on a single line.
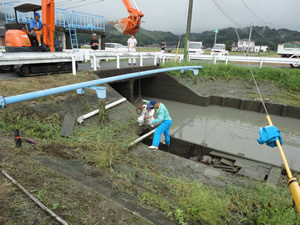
[[170, 15]]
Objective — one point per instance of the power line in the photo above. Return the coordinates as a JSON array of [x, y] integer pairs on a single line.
[[256, 85], [259, 18], [74, 2], [252, 12], [225, 13], [84, 4], [63, 3]]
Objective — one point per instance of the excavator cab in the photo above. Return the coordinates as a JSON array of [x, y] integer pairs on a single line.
[[21, 39], [132, 23], [18, 38]]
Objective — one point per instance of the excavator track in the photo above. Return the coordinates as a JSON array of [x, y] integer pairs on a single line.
[[31, 70]]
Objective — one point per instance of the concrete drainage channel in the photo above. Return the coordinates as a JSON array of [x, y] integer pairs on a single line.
[[228, 163], [164, 86]]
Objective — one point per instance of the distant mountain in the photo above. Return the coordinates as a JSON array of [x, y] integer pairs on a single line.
[[261, 35]]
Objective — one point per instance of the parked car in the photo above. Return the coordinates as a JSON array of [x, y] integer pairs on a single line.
[[219, 49], [195, 48], [116, 47]]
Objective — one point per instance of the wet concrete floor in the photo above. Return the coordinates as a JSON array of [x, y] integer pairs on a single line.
[[234, 131]]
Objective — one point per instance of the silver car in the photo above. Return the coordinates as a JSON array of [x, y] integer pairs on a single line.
[[115, 47]]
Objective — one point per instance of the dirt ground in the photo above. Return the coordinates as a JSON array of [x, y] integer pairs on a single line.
[[72, 201], [242, 89]]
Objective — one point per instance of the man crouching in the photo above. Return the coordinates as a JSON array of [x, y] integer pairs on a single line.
[[146, 117]]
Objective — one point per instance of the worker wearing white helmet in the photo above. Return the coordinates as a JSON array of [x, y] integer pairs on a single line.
[[146, 117]]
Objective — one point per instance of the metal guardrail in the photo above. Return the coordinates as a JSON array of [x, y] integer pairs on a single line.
[[251, 59], [114, 55], [7, 59], [9, 10], [61, 17], [157, 56], [80, 87], [87, 21], [75, 19], [10, 13]]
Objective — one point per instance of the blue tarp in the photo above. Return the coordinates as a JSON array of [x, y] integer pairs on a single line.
[[269, 135]]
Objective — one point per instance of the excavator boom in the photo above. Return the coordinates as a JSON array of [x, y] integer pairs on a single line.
[[48, 12], [132, 23]]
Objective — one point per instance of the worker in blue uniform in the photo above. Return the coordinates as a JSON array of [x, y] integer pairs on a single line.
[[36, 27], [163, 116]]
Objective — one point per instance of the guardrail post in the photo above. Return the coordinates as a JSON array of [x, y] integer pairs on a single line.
[[215, 60], [86, 56], [118, 62], [155, 59], [95, 61], [226, 62], [73, 65], [141, 60], [180, 59], [261, 62], [164, 59]]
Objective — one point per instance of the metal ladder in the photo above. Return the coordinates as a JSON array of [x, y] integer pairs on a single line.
[[73, 37]]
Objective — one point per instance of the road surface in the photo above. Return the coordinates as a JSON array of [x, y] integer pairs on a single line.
[[87, 67]]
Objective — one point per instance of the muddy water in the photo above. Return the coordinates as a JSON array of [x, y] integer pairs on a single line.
[[234, 131]]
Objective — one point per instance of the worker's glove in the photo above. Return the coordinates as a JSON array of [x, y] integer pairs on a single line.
[[144, 100]]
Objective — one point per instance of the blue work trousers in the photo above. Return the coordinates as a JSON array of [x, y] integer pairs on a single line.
[[162, 128]]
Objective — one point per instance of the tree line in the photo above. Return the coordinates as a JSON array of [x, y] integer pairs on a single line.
[[261, 36]]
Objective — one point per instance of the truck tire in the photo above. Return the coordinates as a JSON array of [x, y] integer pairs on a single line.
[[295, 65]]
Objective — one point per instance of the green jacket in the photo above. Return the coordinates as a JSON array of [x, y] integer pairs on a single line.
[[162, 113]]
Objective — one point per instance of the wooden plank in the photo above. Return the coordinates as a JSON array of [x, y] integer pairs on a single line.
[[227, 162], [246, 162], [227, 168], [67, 126], [240, 161], [224, 155]]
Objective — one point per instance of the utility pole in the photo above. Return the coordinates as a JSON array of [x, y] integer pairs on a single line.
[[249, 39], [216, 34], [188, 29], [215, 38], [261, 39]]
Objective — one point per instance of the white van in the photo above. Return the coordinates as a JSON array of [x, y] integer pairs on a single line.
[[195, 47], [219, 49]]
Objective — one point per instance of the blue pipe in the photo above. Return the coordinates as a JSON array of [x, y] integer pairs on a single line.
[[37, 94]]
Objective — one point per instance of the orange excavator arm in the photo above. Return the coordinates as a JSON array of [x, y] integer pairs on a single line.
[[48, 12], [132, 23]]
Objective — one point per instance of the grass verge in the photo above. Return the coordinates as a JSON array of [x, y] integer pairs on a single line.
[[99, 144], [186, 201], [286, 78]]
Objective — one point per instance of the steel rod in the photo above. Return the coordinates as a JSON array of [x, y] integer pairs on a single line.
[[58, 219]]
